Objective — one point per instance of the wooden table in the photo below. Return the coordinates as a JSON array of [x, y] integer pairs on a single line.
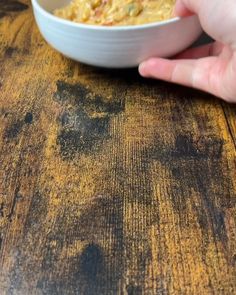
[[110, 184]]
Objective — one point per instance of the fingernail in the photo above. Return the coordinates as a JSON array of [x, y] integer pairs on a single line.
[[141, 69]]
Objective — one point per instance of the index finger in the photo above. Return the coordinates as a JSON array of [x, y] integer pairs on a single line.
[[187, 72]]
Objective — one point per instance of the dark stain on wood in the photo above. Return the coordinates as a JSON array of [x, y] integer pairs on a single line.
[[185, 147], [81, 133], [91, 262], [13, 130], [92, 269], [28, 118], [192, 163], [66, 91], [9, 6], [111, 267], [9, 51], [80, 95], [85, 125], [194, 175], [133, 290], [95, 270], [1, 210], [234, 260]]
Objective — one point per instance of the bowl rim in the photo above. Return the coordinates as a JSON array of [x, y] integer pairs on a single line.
[[103, 28]]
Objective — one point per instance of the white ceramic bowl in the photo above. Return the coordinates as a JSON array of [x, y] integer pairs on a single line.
[[113, 47]]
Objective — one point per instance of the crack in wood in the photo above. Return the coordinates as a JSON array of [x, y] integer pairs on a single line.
[[229, 127]]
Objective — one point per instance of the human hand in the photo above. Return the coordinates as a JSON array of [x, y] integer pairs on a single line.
[[211, 67]]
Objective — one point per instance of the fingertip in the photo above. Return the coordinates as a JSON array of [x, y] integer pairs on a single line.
[[148, 67], [143, 69], [181, 10], [154, 68]]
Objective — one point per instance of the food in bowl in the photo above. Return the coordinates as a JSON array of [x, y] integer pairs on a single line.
[[116, 12]]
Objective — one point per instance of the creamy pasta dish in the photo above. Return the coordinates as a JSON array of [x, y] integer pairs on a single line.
[[116, 12]]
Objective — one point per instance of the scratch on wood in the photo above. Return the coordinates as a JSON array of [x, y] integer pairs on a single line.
[[16, 197]]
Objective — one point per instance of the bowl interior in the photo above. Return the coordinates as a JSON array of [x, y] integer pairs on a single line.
[[49, 6]]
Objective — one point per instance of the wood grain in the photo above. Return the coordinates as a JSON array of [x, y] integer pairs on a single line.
[[109, 184]]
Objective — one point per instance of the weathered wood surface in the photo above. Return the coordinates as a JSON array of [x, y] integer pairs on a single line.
[[109, 184]]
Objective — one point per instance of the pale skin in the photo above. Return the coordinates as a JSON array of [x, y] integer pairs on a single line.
[[212, 67]]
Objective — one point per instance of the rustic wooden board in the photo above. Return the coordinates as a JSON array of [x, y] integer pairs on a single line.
[[109, 184]]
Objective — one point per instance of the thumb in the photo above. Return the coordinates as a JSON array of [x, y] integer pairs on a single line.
[[217, 17]]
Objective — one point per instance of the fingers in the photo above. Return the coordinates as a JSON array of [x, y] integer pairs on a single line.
[[212, 49], [191, 73]]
